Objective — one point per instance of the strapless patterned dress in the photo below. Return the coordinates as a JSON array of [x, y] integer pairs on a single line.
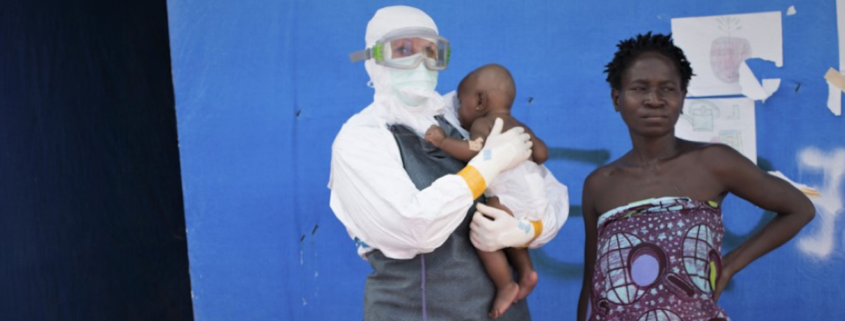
[[658, 260]]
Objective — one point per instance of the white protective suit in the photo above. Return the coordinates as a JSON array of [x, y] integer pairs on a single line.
[[371, 193]]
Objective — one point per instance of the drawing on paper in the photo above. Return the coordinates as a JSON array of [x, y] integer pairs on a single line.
[[732, 138], [728, 51], [728, 121], [701, 114], [716, 47]]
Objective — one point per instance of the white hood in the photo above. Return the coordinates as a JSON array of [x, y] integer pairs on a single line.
[[386, 104]]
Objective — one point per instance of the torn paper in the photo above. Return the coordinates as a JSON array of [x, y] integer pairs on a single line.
[[791, 11], [834, 99], [752, 88], [748, 84], [834, 94], [729, 121], [770, 85], [809, 191], [716, 46]]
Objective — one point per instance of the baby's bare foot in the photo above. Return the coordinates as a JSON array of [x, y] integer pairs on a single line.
[[527, 282], [504, 298]]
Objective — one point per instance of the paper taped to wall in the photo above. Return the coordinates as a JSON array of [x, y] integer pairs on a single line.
[[729, 121], [716, 46], [834, 94]]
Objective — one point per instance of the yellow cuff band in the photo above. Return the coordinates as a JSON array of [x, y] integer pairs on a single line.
[[538, 229], [474, 180]]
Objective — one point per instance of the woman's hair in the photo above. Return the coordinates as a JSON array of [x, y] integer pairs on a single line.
[[631, 48]]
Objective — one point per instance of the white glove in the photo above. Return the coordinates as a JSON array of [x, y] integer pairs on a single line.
[[501, 232], [502, 151]]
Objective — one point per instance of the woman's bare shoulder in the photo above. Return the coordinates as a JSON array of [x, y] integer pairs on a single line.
[[605, 174], [716, 155], [706, 149]]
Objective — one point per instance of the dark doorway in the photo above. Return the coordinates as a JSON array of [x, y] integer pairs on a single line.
[[92, 223]]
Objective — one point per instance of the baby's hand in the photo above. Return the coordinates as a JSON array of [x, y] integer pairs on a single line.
[[435, 135]]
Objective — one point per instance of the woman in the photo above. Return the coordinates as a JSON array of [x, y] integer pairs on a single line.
[[653, 216]]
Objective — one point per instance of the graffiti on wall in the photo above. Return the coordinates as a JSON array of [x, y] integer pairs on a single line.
[[820, 242]]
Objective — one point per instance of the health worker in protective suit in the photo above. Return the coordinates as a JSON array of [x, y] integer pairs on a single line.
[[409, 206]]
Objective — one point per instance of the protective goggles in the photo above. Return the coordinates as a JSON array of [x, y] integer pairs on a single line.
[[406, 48]]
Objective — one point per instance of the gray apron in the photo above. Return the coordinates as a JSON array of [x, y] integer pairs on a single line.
[[449, 284]]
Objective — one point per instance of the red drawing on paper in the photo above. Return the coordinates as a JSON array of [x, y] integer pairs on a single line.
[[728, 52]]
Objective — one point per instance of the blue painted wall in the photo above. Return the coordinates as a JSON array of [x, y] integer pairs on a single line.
[[262, 87]]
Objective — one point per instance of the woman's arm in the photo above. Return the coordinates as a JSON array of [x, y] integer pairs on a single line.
[[590, 238], [741, 177]]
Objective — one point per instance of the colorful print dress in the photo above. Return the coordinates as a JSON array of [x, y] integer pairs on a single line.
[[658, 260]]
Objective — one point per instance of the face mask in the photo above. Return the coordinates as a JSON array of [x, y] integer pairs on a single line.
[[413, 87]]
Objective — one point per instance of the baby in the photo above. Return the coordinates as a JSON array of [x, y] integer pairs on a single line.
[[485, 94]]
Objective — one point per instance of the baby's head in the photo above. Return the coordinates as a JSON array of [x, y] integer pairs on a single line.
[[490, 88]]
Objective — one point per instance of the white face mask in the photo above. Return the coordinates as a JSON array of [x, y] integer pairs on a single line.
[[413, 87]]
